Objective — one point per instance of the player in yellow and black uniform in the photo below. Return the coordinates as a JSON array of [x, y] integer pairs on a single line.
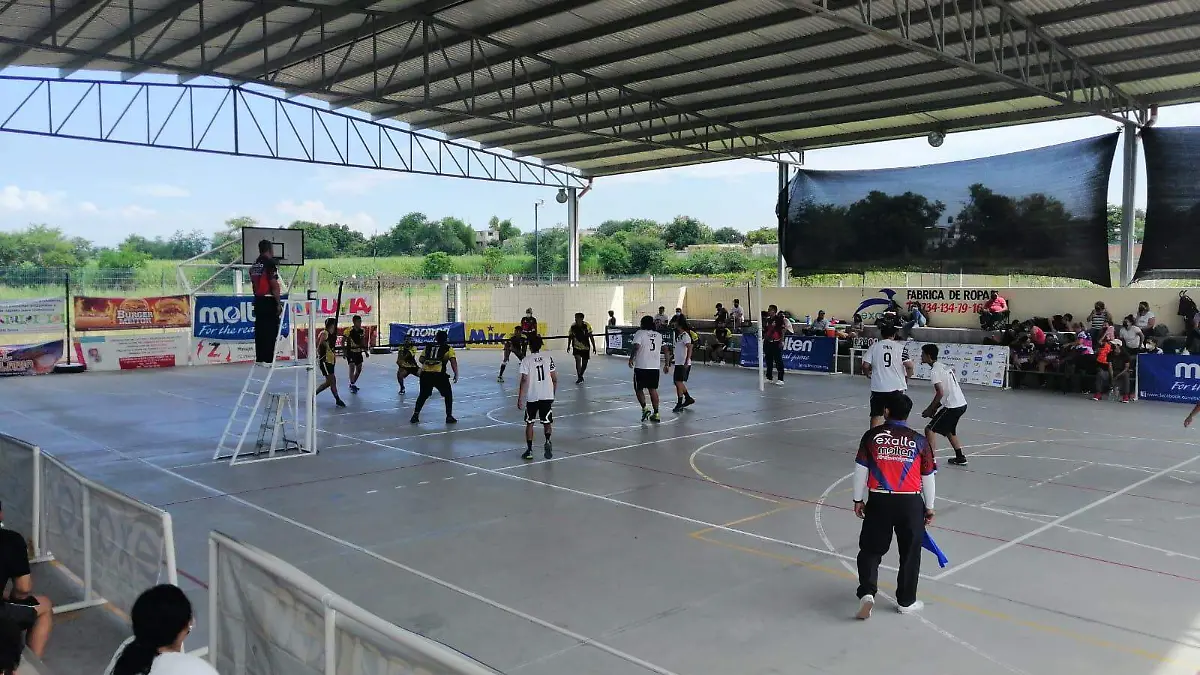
[[517, 343], [327, 359], [355, 346], [579, 339], [406, 362], [434, 376]]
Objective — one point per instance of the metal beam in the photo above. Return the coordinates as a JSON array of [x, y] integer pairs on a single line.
[[1065, 71], [456, 39], [238, 122], [206, 33], [529, 143], [557, 42], [133, 30], [730, 57], [1128, 207], [58, 21]]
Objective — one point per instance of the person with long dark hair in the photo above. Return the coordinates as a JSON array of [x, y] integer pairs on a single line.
[[162, 618]]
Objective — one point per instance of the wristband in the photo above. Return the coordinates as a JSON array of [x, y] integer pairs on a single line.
[[859, 501]]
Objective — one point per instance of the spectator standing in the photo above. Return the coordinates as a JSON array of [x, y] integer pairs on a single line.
[[612, 318], [529, 324], [736, 315], [1131, 335], [660, 322], [722, 315], [31, 613], [162, 619], [1098, 321], [1113, 369], [775, 328], [994, 311]]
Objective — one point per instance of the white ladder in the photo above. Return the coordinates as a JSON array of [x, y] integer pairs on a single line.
[[246, 410]]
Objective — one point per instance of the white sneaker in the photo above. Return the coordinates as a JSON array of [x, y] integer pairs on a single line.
[[911, 609], [770, 380], [778, 383], [865, 604]]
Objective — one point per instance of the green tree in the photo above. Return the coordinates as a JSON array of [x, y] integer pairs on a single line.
[[763, 235], [436, 264], [492, 259], [504, 228], [614, 258], [728, 235], [232, 232], [183, 245], [550, 249], [686, 231], [1116, 216], [41, 246], [632, 225], [330, 241], [647, 255], [407, 237]]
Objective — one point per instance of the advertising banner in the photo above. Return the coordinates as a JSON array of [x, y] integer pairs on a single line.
[[496, 333], [172, 311], [217, 352], [226, 318], [1169, 377], [131, 352], [353, 304], [973, 364], [36, 359], [426, 333], [799, 353], [45, 315]]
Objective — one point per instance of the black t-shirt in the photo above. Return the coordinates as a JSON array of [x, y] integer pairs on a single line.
[[14, 557], [356, 340], [723, 315]]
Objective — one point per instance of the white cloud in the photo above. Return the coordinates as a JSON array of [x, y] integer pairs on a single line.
[[359, 181], [89, 207], [162, 190], [135, 211], [316, 212], [13, 198]]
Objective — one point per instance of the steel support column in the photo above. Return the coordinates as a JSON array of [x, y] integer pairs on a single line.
[[1129, 185], [784, 176], [572, 235]]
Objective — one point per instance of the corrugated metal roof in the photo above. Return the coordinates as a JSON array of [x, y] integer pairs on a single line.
[[609, 86]]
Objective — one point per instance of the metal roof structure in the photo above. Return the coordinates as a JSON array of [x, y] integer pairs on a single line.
[[613, 86]]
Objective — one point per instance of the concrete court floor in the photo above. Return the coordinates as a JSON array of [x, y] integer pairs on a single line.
[[717, 542]]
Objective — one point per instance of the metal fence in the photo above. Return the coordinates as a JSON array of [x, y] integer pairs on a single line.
[[115, 545], [270, 618]]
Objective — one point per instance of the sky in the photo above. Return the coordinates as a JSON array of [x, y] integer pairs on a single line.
[[105, 192]]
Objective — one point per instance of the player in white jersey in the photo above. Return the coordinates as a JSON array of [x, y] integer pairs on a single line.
[[889, 367], [947, 406], [681, 356], [539, 382], [645, 360]]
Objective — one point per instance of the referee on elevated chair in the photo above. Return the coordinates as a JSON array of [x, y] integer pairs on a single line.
[[896, 466], [264, 279]]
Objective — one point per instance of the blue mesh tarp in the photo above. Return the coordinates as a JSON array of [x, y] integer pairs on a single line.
[[1172, 203]]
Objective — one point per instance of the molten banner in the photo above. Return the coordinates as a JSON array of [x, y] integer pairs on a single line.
[[1035, 212], [228, 318]]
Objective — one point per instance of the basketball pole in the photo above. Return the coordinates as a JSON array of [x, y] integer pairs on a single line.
[[762, 357]]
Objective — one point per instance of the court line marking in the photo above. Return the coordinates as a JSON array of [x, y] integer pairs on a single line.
[[1062, 519], [583, 639]]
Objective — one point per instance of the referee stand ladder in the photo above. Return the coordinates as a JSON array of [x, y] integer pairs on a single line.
[[287, 425]]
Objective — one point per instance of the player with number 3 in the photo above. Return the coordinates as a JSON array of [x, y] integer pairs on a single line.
[[646, 359]]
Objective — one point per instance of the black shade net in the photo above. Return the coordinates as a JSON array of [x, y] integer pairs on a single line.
[[1035, 212], [1172, 234]]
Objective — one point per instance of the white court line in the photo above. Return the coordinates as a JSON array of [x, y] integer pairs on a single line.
[[1061, 519], [1081, 431]]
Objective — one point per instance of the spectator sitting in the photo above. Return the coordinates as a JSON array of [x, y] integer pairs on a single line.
[[735, 314], [660, 319], [31, 613], [722, 315], [1098, 321], [678, 314], [1131, 334], [890, 316], [917, 317], [1036, 335], [1114, 369], [612, 318], [855, 330], [1061, 323], [720, 343], [1147, 322], [994, 311], [162, 619], [1150, 346], [819, 324], [1083, 340]]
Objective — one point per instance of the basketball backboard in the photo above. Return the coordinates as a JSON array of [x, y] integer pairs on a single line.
[[287, 245]]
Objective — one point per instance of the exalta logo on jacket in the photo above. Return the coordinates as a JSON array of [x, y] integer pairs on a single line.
[[889, 444]]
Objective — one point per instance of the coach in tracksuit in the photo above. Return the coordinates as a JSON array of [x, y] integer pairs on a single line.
[[896, 466]]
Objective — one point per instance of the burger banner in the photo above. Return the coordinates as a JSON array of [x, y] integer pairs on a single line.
[[173, 311], [45, 315]]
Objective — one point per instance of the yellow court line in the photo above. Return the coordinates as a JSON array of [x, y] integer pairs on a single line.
[[739, 521], [974, 609]]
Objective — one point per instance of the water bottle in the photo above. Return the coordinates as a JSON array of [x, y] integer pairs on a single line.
[[807, 318]]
